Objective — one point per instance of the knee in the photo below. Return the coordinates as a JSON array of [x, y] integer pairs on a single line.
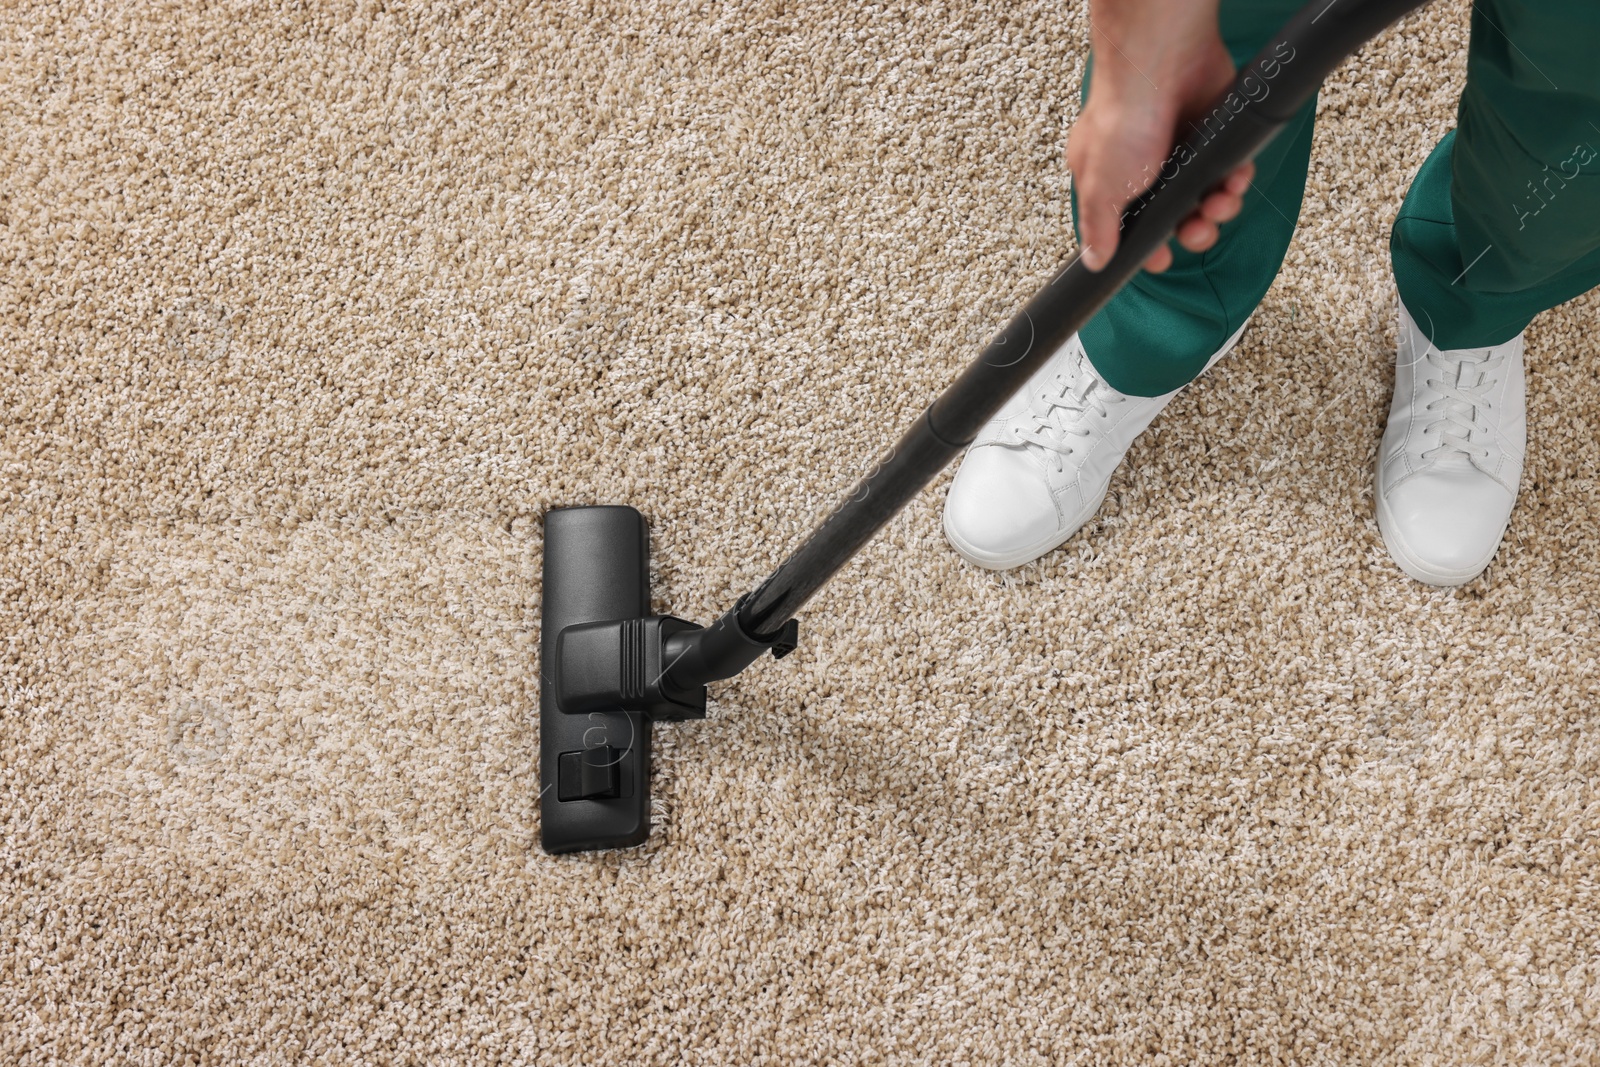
[[1528, 223]]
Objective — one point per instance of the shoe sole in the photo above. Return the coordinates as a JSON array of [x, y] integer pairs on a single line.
[[1416, 567], [1027, 555]]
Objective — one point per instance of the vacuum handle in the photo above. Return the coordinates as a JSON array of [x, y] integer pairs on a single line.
[[1266, 93]]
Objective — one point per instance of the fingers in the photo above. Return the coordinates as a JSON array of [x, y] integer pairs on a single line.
[[1227, 200], [1197, 233], [1201, 230], [1220, 206], [1099, 215], [1239, 181]]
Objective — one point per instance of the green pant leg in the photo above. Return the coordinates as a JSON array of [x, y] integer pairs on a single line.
[[1159, 331], [1503, 220]]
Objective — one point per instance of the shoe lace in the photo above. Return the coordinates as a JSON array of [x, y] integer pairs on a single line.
[[1061, 412], [1462, 426]]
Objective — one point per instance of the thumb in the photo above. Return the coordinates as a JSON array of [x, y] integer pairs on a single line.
[[1113, 154], [1100, 226], [1099, 219]]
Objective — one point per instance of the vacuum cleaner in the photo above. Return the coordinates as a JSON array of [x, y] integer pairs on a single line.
[[610, 670]]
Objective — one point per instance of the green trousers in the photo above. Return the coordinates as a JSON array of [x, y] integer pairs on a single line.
[[1501, 222]]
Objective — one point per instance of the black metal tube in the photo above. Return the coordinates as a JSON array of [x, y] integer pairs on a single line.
[[1266, 93]]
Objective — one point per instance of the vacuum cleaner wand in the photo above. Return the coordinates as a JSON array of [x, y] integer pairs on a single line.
[[610, 668]]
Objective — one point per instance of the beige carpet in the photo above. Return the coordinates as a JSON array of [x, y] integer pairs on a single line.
[[307, 314]]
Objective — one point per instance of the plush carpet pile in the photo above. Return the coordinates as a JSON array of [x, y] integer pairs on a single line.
[[309, 311]]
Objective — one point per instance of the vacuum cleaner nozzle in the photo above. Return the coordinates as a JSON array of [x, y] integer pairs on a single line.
[[609, 669]]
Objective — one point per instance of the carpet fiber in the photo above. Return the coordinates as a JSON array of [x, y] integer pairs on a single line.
[[309, 311]]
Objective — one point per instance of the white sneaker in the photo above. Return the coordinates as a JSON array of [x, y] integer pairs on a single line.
[[1451, 456], [1040, 468]]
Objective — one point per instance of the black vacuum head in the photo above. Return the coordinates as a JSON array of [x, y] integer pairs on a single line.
[[594, 767], [608, 669]]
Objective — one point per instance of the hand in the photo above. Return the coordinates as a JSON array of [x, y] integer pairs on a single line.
[[1157, 65]]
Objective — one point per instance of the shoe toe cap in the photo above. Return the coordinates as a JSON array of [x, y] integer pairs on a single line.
[[1000, 508], [1444, 526]]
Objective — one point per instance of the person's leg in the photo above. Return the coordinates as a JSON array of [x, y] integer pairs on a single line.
[[1501, 223], [1041, 467], [1503, 220], [1158, 333]]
